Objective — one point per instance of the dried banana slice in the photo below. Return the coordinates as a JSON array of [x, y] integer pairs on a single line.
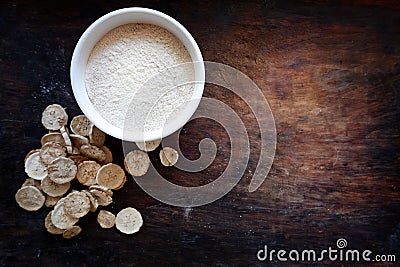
[[30, 198], [60, 218], [62, 170], [78, 140], [93, 202], [80, 125], [93, 152], [168, 156], [106, 219], [54, 117], [110, 176], [72, 232], [50, 151], [77, 204], [54, 189], [96, 136], [30, 153], [87, 171], [109, 156], [128, 221], [34, 167], [148, 146], [137, 163], [102, 188], [50, 226], [102, 197], [52, 137], [51, 201]]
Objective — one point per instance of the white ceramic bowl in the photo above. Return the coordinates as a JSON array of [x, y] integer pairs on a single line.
[[96, 31]]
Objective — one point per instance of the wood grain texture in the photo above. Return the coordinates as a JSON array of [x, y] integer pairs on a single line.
[[331, 73]]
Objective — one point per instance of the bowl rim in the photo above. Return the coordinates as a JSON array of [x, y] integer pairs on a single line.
[[86, 105]]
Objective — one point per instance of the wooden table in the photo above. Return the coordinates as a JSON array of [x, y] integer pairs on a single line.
[[331, 74]]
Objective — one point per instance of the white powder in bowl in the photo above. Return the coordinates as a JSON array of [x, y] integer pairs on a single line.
[[126, 76]]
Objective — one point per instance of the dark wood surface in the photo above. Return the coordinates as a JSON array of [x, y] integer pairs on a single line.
[[331, 73]]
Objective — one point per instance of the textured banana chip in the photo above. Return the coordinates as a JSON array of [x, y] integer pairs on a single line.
[[32, 182], [148, 146], [72, 232], [87, 171], [30, 198], [168, 156], [50, 226], [93, 152], [110, 176], [109, 156], [77, 204], [94, 204], [51, 201], [78, 140], [50, 151], [137, 163], [80, 125], [106, 219], [128, 221], [54, 189], [54, 117], [60, 218], [102, 197], [34, 167], [52, 137], [30, 153], [96, 136], [62, 170]]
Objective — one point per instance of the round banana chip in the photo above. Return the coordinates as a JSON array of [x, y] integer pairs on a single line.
[[54, 189], [96, 136], [50, 151], [87, 171], [106, 219], [168, 156], [34, 167], [77, 204], [78, 140], [80, 125], [128, 221], [52, 137], [93, 152], [60, 218], [62, 170], [50, 226], [30, 198], [102, 197], [72, 232], [54, 117], [30, 153], [137, 163], [110, 176], [51, 201], [32, 182], [93, 202], [148, 146], [109, 156]]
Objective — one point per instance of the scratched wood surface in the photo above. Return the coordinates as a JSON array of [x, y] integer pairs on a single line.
[[331, 73]]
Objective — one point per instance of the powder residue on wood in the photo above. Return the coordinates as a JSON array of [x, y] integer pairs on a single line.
[[126, 76]]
